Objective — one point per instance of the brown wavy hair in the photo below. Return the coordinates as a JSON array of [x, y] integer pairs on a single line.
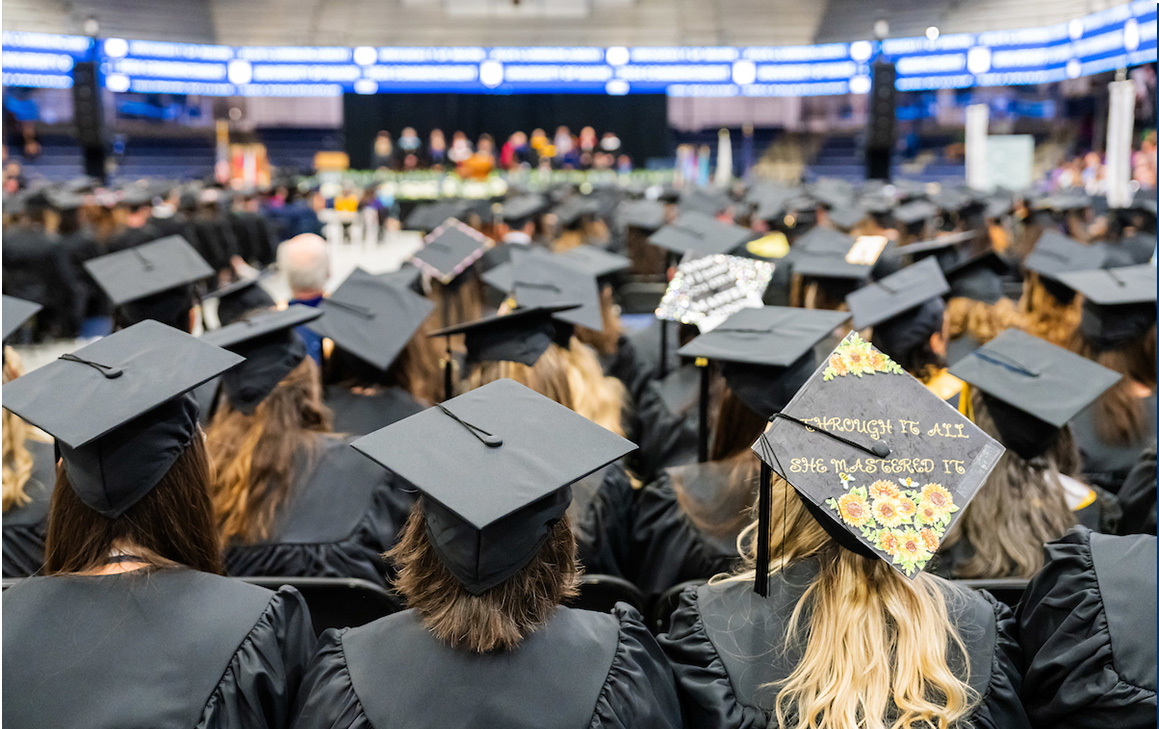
[[548, 377], [498, 619], [258, 456], [1046, 317], [1120, 414], [1019, 508], [876, 650], [171, 525], [980, 320]]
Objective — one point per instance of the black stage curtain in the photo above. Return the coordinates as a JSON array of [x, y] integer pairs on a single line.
[[639, 120]]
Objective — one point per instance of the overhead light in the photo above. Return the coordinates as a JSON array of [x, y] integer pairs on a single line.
[[932, 32]]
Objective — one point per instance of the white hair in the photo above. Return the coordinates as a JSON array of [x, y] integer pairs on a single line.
[[305, 261]]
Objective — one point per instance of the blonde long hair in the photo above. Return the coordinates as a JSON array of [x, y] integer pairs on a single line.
[[1045, 316], [17, 467], [981, 320], [876, 650]]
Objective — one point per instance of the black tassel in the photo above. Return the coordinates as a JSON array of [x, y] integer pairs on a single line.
[[764, 517]]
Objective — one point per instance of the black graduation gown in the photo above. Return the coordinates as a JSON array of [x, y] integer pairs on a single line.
[[1107, 464], [357, 414], [1087, 628], [37, 268], [601, 519], [627, 367], [1137, 497], [341, 516], [80, 247], [152, 649], [725, 646], [666, 438], [133, 237], [25, 526], [666, 547], [581, 669], [214, 240]]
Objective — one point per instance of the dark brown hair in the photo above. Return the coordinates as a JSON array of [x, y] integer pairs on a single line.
[[172, 524], [258, 456], [498, 619], [1120, 415]]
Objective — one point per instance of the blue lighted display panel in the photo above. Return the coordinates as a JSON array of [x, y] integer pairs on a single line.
[[1121, 36]]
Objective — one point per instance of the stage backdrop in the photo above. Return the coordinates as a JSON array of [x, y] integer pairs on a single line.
[[639, 120]]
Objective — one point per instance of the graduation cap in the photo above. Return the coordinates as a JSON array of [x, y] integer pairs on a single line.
[[521, 336], [772, 203], [827, 254], [952, 200], [548, 280], [136, 197], [694, 232], [450, 249], [1055, 254], [407, 277], [915, 211], [710, 202], [519, 210], [945, 248], [705, 291], [1064, 201], [428, 216], [883, 464], [1032, 388], [240, 297], [118, 409], [643, 214], [978, 276], [767, 352], [371, 319], [151, 281], [596, 261], [1118, 303], [15, 313], [846, 217], [65, 201], [573, 209], [492, 505], [272, 350], [897, 294], [832, 192]]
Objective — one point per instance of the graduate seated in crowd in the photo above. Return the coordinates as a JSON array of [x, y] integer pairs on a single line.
[[832, 622], [29, 466], [132, 624], [290, 497], [484, 562]]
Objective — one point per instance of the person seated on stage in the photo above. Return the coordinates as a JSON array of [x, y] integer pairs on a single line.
[[383, 366], [1023, 391], [291, 498], [832, 622], [1117, 331], [485, 561], [29, 467], [1086, 626], [133, 626]]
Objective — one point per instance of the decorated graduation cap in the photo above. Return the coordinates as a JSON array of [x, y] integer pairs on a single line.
[[238, 298], [695, 232], [450, 249], [883, 464], [643, 214], [118, 409], [491, 507], [1031, 387], [151, 281], [707, 290], [540, 279], [272, 350], [15, 313], [1118, 303], [371, 319], [521, 336]]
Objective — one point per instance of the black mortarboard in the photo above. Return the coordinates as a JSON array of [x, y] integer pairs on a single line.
[[978, 276], [428, 216], [699, 233], [15, 313], [768, 352], [826, 253], [521, 336], [951, 200], [151, 281], [518, 210], [372, 319], [65, 201], [945, 248], [547, 280], [771, 202], [643, 214], [897, 294], [846, 217], [707, 290], [833, 192], [1055, 254], [239, 298], [118, 409], [709, 201], [574, 209], [1031, 387], [407, 276], [450, 249], [135, 197], [494, 467], [1064, 201], [882, 463], [272, 350], [916, 211], [1118, 303], [596, 261]]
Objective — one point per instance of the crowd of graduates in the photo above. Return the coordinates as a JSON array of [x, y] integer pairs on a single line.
[[852, 404]]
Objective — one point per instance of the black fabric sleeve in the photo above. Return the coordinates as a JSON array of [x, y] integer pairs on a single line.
[[666, 439], [261, 683], [1070, 677], [639, 692], [327, 699], [1137, 497], [23, 549], [1000, 706], [706, 692], [603, 531]]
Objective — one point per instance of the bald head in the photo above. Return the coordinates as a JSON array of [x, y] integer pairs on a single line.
[[306, 263]]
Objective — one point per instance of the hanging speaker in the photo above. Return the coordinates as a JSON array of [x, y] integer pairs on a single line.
[[882, 106], [87, 109]]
